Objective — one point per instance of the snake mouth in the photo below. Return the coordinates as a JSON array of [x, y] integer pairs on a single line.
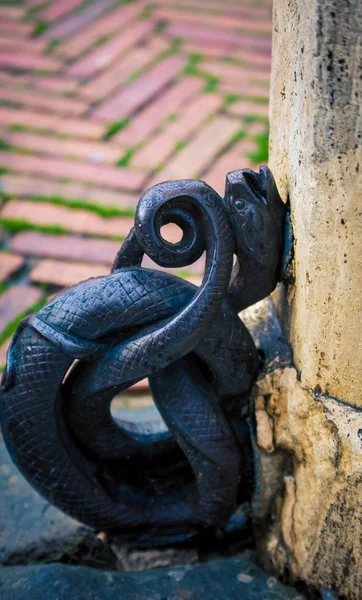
[[247, 184]]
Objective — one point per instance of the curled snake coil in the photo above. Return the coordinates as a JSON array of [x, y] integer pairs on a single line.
[[66, 363]]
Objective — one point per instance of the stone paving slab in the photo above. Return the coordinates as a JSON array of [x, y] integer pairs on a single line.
[[226, 579]]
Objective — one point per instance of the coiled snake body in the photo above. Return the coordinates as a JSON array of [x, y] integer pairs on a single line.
[[136, 323]]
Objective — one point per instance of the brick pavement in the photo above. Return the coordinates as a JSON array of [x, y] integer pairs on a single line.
[[99, 100]]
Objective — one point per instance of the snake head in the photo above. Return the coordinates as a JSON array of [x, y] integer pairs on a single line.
[[257, 215]]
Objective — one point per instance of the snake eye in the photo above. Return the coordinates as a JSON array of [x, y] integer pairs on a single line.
[[240, 205]]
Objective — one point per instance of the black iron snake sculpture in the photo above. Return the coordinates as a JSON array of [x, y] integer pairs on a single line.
[[136, 323]]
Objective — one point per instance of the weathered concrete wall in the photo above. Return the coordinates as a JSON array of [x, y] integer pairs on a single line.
[[316, 157], [308, 507]]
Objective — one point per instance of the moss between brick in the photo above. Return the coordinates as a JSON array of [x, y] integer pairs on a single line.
[[115, 127], [17, 225], [40, 27], [260, 155], [126, 158], [76, 203], [231, 99], [9, 329], [193, 68]]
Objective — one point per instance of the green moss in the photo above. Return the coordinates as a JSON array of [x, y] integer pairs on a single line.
[[180, 145], [195, 58], [231, 99], [40, 27], [4, 145], [192, 69], [146, 12], [236, 137], [5, 196], [126, 158], [256, 119], [212, 84], [18, 127], [172, 118], [115, 127], [260, 155], [52, 45], [134, 76], [17, 225], [76, 203], [10, 328], [173, 48], [255, 99], [32, 12]]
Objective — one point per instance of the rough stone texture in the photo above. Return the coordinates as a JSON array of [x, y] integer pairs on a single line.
[[308, 460], [30, 528], [316, 152], [231, 578], [308, 508]]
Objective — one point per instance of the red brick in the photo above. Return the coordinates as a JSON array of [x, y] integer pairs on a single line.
[[110, 79], [28, 61], [64, 274], [232, 160], [54, 85], [12, 116], [196, 32], [52, 104], [33, 120], [16, 29], [197, 155], [231, 73], [209, 49], [72, 220], [215, 6], [8, 264], [22, 185], [135, 95], [254, 58], [104, 55], [84, 128], [243, 88], [162, 145], [16, 301], [85, 250], [11, 13], [75, 22], [101, 175], [256, 128], [233, 22], [93, 152], [108, 24], [156, 113], [80, 249], [58, 9], [32, 46], [244, 109]]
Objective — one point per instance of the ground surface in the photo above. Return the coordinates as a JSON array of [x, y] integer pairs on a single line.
[[101, 99]]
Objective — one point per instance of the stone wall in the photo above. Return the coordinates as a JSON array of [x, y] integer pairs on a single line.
[[312, 413]]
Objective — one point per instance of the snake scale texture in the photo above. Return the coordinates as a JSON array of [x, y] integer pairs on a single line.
[[66, 364]]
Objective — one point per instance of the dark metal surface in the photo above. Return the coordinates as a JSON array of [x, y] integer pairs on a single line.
[[200, 359]]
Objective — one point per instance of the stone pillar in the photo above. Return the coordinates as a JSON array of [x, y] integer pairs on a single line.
[[309, 416]]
